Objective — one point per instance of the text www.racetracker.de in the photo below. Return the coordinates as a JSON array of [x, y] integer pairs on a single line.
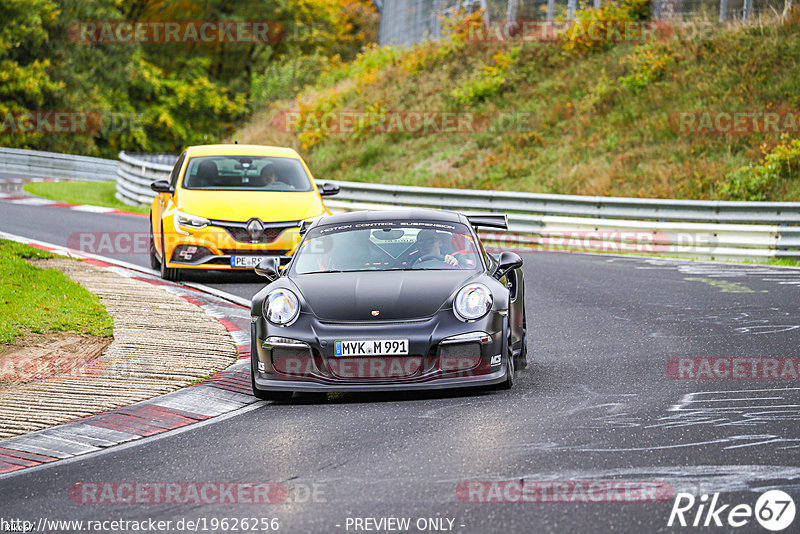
[[200, 524]]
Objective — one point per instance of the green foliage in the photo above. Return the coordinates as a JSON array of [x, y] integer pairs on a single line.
[[372, 59], [488, 79], [648, 63], [283, 80], [159, 97], [595, 29], [43, 300], [779, 165]]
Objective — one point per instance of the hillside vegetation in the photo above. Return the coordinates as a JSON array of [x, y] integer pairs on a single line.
[[599, 118]]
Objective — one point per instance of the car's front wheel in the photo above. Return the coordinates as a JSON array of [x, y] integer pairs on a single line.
[[173, 275], [508, 383], [154, 262], [280, 396], [522, 358]]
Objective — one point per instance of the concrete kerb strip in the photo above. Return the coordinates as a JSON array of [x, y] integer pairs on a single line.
[[223, 393]]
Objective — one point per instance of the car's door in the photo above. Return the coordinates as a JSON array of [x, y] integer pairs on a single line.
[[164, 201]]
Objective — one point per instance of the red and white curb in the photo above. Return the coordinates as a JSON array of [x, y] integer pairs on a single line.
[[27, 200], [222, 393]]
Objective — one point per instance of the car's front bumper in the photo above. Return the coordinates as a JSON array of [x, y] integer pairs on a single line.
[[212, 247], [310, 386], [437, 358]]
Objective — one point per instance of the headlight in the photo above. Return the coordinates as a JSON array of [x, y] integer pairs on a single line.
[[193, 221], [281, 307], [472, 302]]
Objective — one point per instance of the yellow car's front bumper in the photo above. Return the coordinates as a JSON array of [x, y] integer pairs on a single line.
[[214, 246]]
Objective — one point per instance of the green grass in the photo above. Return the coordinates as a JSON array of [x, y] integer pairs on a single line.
[[601, 123], [94, 193], [44, 300]]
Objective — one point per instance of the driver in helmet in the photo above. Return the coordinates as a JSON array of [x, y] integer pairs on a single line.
[[429, 247]]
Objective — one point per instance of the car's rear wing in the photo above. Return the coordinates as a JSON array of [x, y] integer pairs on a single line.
[[488, 220]]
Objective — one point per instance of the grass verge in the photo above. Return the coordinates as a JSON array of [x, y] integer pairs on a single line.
[[44, 300], [94, 193]]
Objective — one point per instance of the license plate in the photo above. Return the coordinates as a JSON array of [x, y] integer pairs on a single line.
[[246, 261], [383, 347]]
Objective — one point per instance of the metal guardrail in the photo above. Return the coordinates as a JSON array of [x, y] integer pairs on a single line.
[[687, 228], [38, 164]]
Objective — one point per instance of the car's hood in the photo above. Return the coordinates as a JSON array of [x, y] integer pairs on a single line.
[[244, 205], [396, 295]]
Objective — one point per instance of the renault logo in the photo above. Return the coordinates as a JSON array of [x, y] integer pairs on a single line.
[[254, 230]]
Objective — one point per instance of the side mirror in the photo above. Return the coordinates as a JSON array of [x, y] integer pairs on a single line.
[[507, 262], [162, 186], [329, 190], [268, 268]]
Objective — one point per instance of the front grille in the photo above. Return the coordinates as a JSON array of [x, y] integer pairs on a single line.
[[375, 367], [269, 234], [240, 252], [292, 361], [373, 323], [459, 356]]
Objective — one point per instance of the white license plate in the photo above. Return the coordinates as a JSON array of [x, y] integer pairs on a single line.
[[246, 261], [383, 347]]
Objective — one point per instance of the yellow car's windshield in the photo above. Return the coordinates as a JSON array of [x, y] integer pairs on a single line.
[[246, 173]]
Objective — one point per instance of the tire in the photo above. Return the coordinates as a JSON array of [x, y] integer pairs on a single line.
[[508, 383], [278, 396], [173, 275], [522, 357], [154, 261]]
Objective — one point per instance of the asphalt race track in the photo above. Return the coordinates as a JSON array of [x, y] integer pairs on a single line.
[[597, 403]]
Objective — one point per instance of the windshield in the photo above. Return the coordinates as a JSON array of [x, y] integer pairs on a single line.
[[246, 173], [387, 246]]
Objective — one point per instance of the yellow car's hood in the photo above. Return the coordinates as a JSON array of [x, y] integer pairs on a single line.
[[269, 206]]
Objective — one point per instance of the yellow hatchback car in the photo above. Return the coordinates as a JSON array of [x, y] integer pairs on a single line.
[[230, 206]]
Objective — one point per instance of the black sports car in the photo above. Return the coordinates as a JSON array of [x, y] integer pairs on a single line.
[[389, 300]]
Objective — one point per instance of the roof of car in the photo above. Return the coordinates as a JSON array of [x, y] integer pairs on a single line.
[[412, 214], [241, 150]]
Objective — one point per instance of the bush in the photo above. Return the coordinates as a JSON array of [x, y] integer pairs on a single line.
[[649, 63], [595, 29], [488, 80], [284, 80], [758, 182]]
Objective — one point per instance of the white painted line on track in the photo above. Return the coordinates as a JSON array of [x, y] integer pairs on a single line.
[[142, 441], [92, 209]]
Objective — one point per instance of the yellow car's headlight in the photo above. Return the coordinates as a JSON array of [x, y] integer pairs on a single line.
[[187, 220]]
